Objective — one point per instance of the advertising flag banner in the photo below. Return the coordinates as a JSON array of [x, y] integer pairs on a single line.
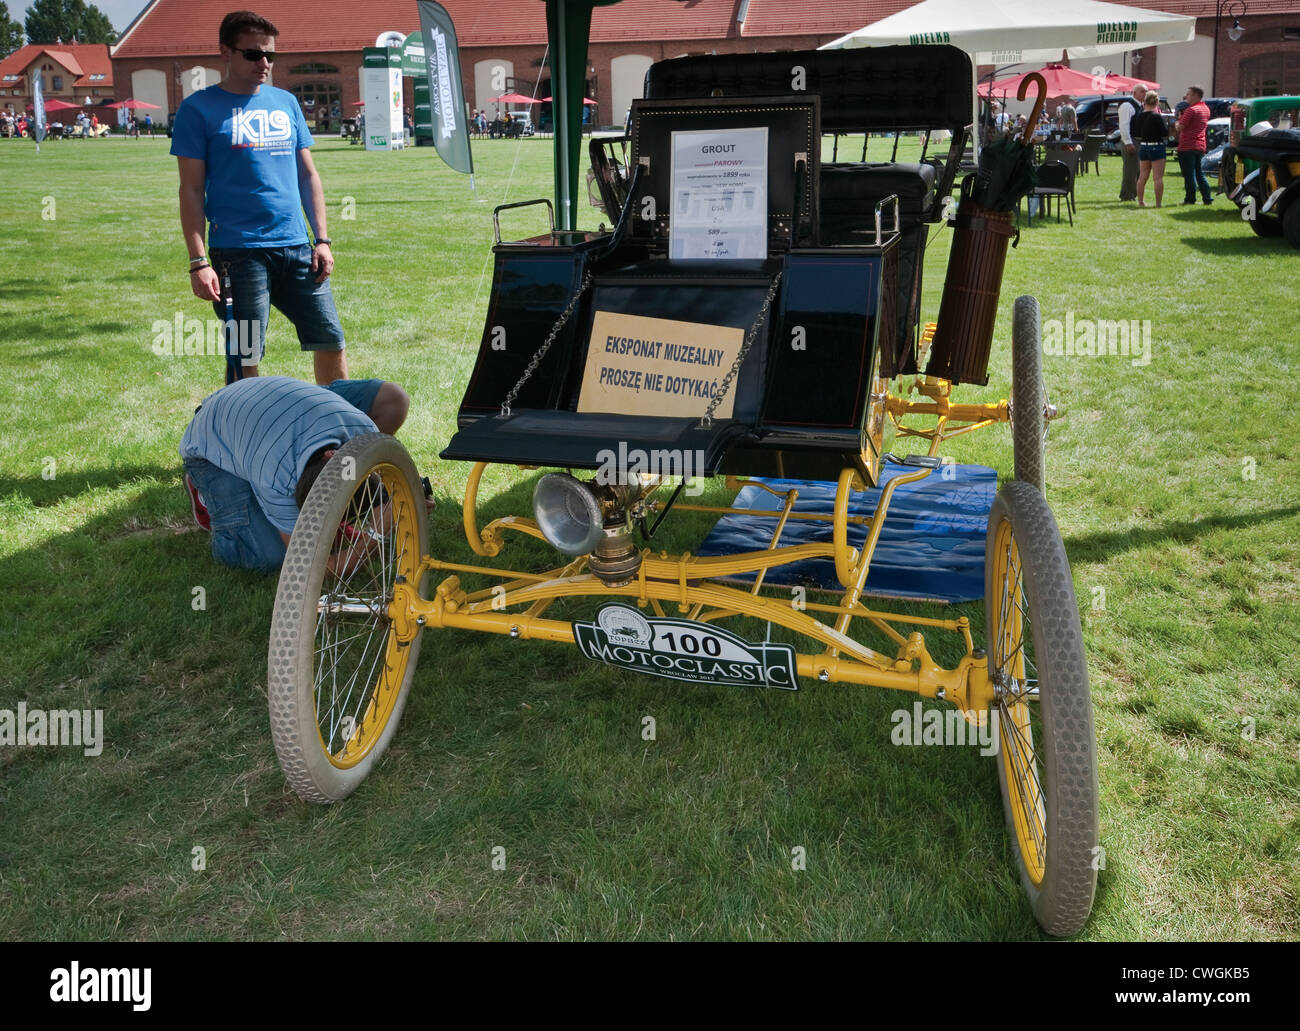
[[446, 94], [38, 105]]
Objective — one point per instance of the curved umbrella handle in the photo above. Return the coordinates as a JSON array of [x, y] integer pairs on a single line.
[[1037, 112]]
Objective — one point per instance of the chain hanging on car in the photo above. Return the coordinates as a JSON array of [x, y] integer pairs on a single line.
[[706, 420], [546, 346]]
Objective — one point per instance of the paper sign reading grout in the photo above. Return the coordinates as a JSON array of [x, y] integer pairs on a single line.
[[638, 365]]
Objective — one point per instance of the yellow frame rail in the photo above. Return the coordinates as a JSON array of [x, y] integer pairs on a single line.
[[514, 606]]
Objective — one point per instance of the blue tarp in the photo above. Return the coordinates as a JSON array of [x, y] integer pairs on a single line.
[[931, 547]]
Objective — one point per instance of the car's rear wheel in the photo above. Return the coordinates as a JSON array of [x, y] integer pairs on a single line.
[[1265, 225], [1291, 223], [1028, 395]]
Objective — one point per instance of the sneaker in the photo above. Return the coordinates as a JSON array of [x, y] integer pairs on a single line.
[[196, 502], [1209, 200]]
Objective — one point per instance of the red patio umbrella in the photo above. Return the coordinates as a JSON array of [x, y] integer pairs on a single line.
[[54, 104], [1127, 82], [1061, 82], [133, 103], [513, 98]]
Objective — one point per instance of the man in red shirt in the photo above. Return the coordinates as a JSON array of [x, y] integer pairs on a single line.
[[1191, 145]]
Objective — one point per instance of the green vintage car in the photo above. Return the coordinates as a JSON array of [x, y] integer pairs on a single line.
[[1261, 167]]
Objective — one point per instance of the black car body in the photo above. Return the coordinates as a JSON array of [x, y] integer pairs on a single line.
[[1101, 114]]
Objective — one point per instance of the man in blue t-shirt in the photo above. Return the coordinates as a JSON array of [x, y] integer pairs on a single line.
[[246, 174], [255, 447]]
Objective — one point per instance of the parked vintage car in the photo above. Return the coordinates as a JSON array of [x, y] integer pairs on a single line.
[[1255, 115], [1269, 195], [1101, 114]]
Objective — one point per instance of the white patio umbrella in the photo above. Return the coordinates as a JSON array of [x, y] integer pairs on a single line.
[[1013, 31]]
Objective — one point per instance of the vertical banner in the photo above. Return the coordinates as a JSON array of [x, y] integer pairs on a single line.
[[381, 89], [446, 94], [38, 107]]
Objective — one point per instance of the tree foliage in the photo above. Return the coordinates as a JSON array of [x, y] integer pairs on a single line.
[[11, 32], [51, 21]]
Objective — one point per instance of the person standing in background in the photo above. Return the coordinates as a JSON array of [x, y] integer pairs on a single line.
[[1191, 145], [1149, 131], [246, 175], [1128, 184]]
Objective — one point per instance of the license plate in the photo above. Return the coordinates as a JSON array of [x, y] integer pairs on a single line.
[[682, 649]]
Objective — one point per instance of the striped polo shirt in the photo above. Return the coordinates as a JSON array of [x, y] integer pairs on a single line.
[[263, 429]]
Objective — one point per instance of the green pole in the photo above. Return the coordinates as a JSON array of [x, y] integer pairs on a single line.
[[568, 22]]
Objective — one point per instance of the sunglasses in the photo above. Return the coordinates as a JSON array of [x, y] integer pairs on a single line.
[[257, 55]]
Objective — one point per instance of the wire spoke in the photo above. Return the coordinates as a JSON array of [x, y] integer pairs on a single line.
[[352, 648]]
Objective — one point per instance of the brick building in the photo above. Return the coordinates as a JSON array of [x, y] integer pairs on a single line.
[[75, 73], [170, 49]]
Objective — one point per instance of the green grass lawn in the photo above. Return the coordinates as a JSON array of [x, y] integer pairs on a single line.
[[1174, 483]]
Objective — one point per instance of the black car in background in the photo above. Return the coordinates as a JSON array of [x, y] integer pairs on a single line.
[[1220, 107], [1101, 114]]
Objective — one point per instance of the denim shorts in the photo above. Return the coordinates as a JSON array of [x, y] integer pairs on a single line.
[[1151, 151], [280, 276], [359, 393], [242, 536]]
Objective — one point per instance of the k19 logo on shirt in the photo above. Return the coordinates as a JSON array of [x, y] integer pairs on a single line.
[[259, 128]]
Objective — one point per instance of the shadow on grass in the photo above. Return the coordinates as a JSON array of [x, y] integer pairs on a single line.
[[65, 485], [70, 325], [186, 727], [116, 600], [15, 288], [1248, 245], [1096, 547]]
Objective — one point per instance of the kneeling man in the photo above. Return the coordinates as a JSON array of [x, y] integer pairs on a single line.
[[254, 448]]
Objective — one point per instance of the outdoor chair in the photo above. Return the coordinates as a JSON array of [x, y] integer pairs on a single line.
[[1092, 152], [1055, 180], [1069, 155]]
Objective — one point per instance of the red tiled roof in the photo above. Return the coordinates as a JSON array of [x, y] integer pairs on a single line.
[[782, 18], [167, 28], [67, 60], [81, 59], [171, 27], [658, 19]]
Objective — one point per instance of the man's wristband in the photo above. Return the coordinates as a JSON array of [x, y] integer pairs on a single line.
[[196, 268], [201, 259], [322, 240]]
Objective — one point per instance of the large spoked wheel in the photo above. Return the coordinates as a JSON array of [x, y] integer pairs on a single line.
[[1028, 395], [1047, 761], [337, 673]]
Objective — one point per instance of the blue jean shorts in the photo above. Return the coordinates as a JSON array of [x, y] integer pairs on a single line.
[[280, 276], [1151, 151], [242, 536]]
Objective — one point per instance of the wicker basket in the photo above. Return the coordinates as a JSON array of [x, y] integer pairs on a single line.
[[969, 309]]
